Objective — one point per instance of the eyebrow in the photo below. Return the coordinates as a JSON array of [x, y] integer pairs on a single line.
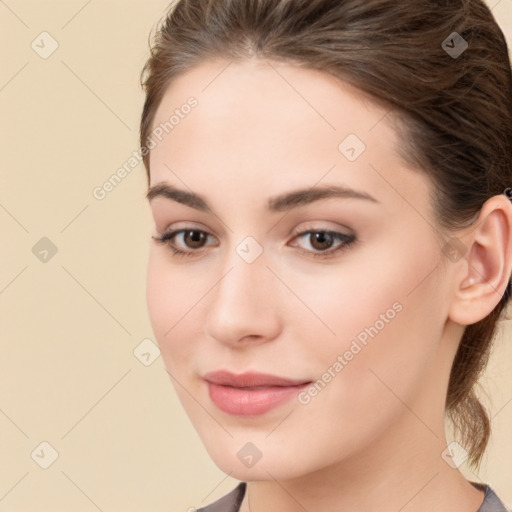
[[283, 202]]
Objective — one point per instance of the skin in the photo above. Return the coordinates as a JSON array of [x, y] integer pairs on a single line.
[[375, 434]]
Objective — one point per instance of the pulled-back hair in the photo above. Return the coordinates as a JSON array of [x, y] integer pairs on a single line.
[[455, 111]]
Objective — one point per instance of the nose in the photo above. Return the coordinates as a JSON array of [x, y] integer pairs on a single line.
[[244, 304]]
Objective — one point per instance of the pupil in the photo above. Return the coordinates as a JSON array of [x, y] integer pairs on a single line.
[[195, 240], [322, 238]]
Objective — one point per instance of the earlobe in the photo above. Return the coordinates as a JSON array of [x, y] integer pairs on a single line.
[[482, 281]]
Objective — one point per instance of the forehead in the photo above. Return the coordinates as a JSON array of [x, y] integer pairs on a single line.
[[268, 124], [262, 94]]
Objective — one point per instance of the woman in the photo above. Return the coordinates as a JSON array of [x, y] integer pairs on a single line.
[[332, 243]]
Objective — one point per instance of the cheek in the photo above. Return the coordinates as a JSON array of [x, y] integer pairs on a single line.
[[350, 297], [384, 310], [171, 296], [158, 297]]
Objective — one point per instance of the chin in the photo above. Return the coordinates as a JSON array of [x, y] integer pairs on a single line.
[[270, 461], [261, 471]]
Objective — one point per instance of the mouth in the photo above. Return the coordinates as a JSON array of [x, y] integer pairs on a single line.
[[251, 394]]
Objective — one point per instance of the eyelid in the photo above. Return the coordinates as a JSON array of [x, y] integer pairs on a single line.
[[321, 226], [183, 225]]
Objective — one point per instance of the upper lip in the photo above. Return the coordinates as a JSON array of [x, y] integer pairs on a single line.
[[250, 379]]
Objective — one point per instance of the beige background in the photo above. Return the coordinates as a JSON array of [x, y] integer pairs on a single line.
[[70, 325]]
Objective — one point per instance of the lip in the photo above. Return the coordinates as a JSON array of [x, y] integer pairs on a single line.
[[250, 393], [250, 379]]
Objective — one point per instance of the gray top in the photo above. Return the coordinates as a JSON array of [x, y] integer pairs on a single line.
[[231, 502]]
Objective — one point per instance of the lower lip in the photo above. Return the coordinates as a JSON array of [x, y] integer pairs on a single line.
[[250, 402]]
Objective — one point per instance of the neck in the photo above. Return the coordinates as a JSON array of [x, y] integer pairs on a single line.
[[403, 472]]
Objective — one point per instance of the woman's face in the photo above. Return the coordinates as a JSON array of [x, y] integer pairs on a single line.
[[345, 291]]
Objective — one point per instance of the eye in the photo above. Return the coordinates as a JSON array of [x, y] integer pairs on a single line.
[[193, 239], [323, 242]]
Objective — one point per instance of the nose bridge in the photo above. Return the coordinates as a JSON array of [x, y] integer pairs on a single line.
[[241, 304], [245, 279], [245, 270]]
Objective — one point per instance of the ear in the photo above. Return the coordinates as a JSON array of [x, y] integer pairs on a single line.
[[482, 275]]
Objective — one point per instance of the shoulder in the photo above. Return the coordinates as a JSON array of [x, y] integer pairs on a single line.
[[491, 501], [231, 502], [228, 503]]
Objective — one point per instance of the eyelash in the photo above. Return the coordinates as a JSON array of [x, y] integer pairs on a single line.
[[348, 241]]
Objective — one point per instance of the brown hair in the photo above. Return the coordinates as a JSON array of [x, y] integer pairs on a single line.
[[455, 111]]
